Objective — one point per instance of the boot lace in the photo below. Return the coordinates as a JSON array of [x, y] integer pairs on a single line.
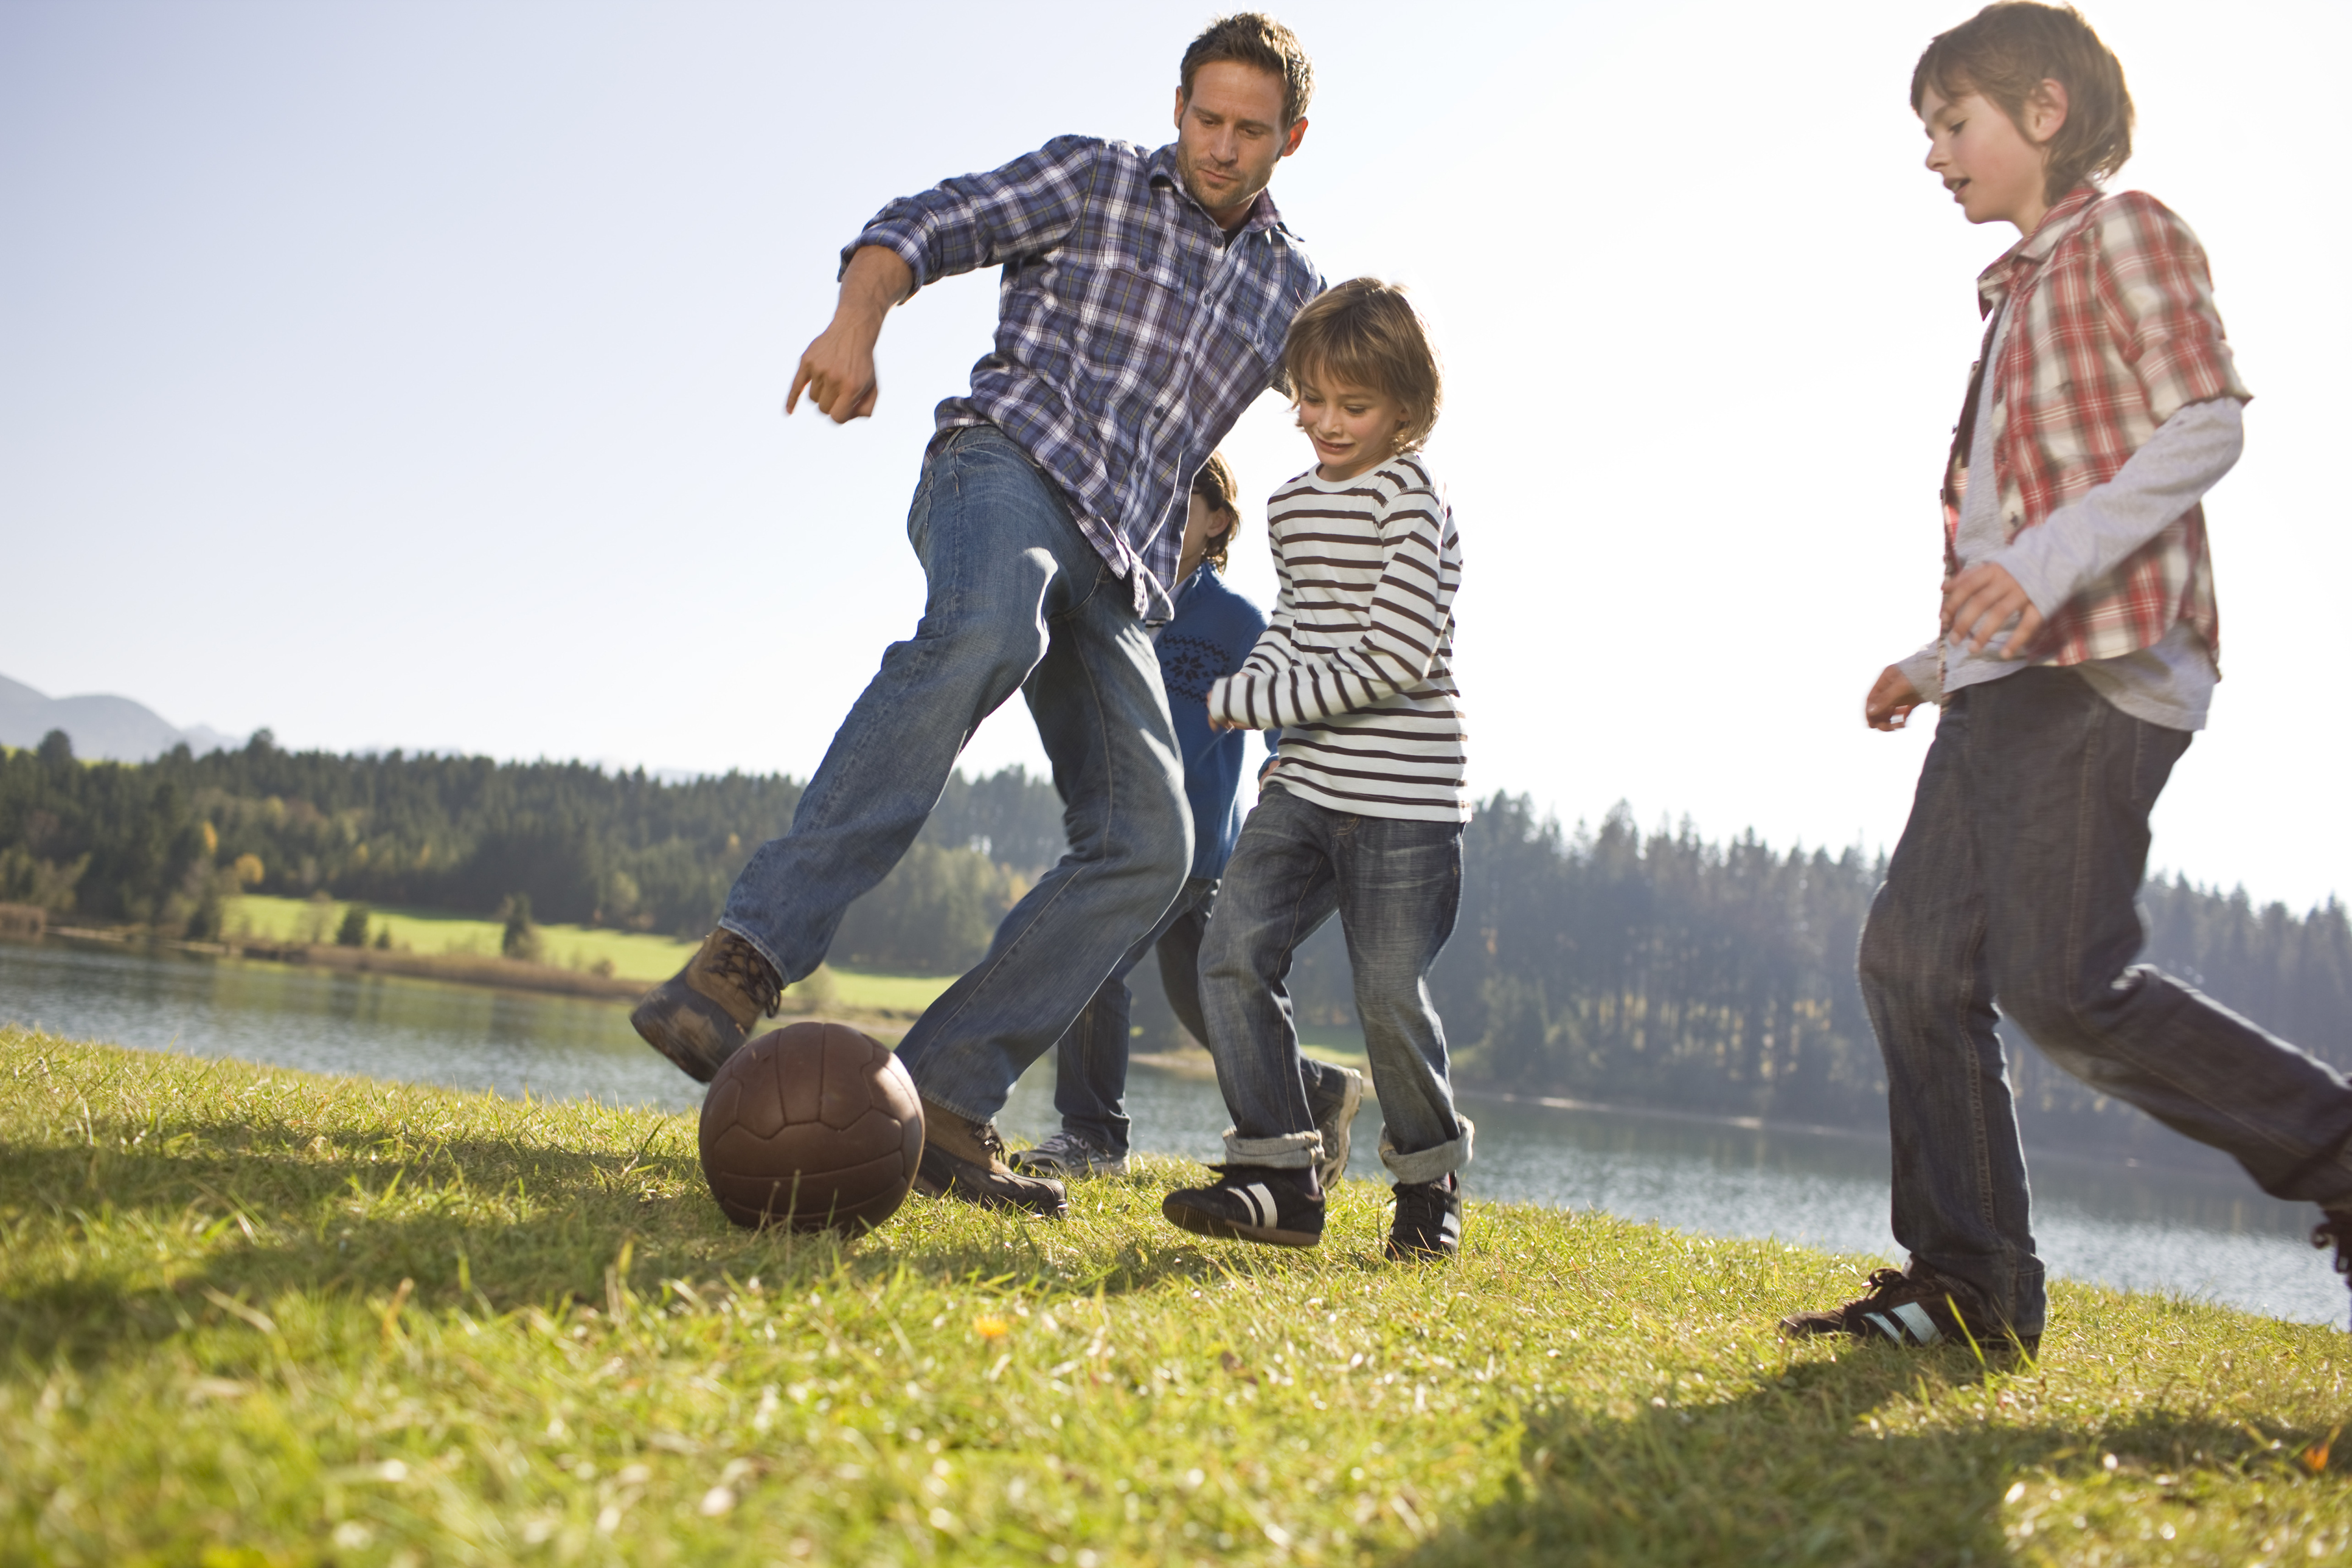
[[738, 962], [1883, 1281]]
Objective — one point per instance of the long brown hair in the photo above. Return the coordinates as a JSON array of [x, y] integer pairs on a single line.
[[2007, 51], [1215, 485]]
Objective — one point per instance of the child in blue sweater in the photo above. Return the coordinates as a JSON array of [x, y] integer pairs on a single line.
[[1212, 630]]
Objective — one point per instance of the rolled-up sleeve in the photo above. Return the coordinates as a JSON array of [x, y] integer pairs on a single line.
[[1023, 209], [2157, 292]]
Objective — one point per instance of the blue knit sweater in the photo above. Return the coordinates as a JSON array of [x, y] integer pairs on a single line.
[[1212, 632]]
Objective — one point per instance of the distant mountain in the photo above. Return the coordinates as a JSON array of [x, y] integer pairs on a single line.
[[113, 728]]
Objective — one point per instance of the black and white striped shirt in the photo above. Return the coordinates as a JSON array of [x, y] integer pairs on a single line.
[[1355, 665]]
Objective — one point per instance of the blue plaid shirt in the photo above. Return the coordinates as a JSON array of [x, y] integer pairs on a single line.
[[1131, 331]]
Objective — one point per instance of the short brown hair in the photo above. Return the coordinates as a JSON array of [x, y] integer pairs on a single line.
[[1254, 38], [1366, 334], [1215, 485], [2007, 51]]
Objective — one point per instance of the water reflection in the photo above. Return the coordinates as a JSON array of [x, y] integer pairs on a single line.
[[2141, 1227]]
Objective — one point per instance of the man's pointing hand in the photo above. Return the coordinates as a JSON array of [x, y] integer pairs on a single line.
[[838, 369]]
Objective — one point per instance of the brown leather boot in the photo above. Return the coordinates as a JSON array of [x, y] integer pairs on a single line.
[[699, 1015], [964, 1159]]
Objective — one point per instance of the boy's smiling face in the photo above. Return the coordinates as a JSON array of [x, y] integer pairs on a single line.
[[1995, 169], [1353, 427]]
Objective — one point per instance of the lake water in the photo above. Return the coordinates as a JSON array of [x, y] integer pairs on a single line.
[[2139, 1228]]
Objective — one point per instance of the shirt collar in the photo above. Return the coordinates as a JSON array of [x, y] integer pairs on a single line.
[[2019, 262], [1262, 214]]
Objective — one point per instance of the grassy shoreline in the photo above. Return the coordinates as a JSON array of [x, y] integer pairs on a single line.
[[600, 964], [280, 1318]]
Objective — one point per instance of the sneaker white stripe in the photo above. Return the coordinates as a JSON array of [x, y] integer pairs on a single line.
[[1452, 1227], [1883, 1326], [1915, 1316], [1260, 1198]]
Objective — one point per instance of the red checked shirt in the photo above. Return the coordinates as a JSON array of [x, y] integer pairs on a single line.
[[2112, 331]]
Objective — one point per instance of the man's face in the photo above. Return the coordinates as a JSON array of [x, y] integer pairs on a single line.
[[1229, 135]]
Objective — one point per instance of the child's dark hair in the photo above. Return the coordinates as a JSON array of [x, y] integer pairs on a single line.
[[1215, 485], [2007, 51], [1366, 334]]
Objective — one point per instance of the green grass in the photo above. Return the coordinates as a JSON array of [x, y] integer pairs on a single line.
[[252, 1316], [634, 955]]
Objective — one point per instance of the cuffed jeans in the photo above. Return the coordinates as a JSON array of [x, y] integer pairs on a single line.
[[1396, 886], [2015, 883], [1018, 600]]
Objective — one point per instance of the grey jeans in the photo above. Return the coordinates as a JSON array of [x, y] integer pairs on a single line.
[[2015, 884]]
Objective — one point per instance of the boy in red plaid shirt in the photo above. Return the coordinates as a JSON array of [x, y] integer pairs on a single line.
[[2078, 654]]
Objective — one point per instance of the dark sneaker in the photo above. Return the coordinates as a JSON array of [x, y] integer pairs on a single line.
[[2336, 1230], [965, 1160], [1332, 1122], [1251, 1203], [1920, 1307], [1067, 1155], [1428, 1222], [698, 1017]]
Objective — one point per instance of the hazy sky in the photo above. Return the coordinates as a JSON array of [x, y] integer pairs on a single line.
[[412, 374]]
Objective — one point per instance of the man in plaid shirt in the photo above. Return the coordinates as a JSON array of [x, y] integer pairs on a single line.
[[1145, 296], [2079, 654]]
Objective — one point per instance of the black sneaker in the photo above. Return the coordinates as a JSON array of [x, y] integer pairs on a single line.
[[1331, 1121], [1428, 1222], [1920, 1307], [1251, 1203], [1066, 1155], [2336, 1230], [965, 1160]]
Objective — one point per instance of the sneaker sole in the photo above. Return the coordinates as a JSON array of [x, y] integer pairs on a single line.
[[1053, 1169], [1334, 1168], [1203, 1223]]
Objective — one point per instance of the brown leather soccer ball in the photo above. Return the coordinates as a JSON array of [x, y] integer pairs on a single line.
[[815, 1127]]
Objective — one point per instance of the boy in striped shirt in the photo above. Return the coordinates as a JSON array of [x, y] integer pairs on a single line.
[[1362, 815]]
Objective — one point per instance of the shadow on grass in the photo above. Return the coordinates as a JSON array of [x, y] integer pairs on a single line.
[[1800, 1471], [253, 1224]]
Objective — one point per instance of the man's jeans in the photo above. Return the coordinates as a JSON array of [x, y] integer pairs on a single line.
[[1396, 886], [1090, 1061], [1019, 601], [2015, 882]]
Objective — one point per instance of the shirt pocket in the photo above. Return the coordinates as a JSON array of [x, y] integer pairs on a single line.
[[1129, 325]]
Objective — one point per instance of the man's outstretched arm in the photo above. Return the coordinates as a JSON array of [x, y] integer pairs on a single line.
[[1023, 209], [837, 370]]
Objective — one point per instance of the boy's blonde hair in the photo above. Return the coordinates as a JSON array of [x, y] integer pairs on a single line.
[[1215, 485], [2006, 51], [1366, 333]]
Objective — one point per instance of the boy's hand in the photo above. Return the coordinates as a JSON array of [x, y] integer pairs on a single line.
[[1983, 599], [1892, 698]]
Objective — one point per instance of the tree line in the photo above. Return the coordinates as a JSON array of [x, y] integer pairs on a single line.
[[1607, 965], [165, 844]]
